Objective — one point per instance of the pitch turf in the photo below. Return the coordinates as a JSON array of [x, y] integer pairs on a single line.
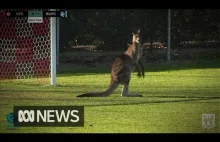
[[175, 97]]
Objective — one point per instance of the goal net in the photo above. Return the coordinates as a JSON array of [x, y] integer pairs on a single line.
[[25, 48]]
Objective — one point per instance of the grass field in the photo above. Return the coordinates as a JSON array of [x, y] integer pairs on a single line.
[[176, 94]]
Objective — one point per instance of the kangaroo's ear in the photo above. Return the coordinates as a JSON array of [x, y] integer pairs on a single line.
[[139, 31]]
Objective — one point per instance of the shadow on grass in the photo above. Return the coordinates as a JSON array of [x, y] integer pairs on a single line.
[[107, 101], [156, 102], [149, 67], [103, 102], [77, 89]]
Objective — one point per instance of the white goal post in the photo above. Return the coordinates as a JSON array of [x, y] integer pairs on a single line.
[[53, 49]]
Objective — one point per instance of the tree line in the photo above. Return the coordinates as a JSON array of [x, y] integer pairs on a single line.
[[110, 29]]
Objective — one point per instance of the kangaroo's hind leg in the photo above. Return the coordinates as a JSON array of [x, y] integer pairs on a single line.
[[125, 92], [125, 89]]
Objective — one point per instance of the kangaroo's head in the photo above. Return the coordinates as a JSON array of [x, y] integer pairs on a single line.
[[136, 37]]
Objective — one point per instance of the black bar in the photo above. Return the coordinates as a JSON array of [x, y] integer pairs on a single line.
[[25, 13], [51, 13], [16, 13]]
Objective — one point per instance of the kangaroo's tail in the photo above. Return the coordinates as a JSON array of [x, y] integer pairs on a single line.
[[106, 93]]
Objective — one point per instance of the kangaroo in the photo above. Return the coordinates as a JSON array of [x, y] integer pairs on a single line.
[[122, 69]]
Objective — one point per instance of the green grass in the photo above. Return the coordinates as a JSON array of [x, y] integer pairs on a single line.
[[175, 97]]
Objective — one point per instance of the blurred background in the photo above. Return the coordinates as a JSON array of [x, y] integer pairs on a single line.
[[92, 37]]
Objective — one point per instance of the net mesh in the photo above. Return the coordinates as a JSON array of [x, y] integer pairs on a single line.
[[24, 48]]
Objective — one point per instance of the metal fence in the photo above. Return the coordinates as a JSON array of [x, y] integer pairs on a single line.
[[95, 36]]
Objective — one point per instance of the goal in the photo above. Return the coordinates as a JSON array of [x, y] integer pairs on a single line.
[[27, 50]]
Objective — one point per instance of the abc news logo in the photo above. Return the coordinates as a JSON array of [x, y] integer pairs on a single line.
[[52, 116]]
